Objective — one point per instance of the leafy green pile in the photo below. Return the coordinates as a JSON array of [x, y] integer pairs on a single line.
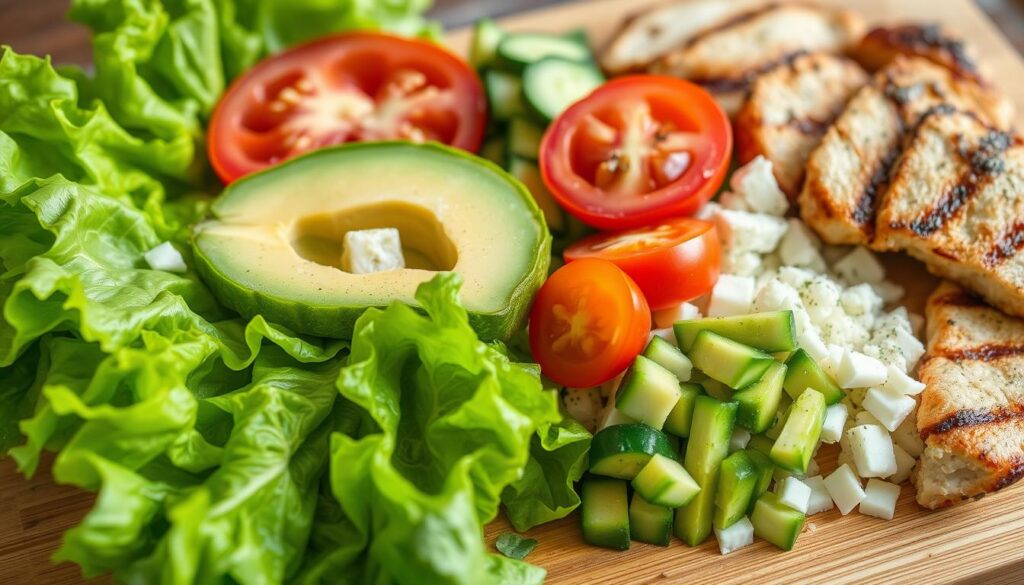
[[225, 450]]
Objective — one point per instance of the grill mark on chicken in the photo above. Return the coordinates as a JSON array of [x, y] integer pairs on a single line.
[[1015, 473], [810, 126], [921, 39], [741, 18], [743, 81], [973, 418], [982, 353], [959, 299], [1009, 243]]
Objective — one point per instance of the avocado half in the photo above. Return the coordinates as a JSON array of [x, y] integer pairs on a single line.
[[273, 246]]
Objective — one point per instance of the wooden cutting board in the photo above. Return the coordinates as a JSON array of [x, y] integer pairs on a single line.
[[980, 542]]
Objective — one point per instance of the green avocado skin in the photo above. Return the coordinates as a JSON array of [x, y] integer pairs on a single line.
[[339, 321]]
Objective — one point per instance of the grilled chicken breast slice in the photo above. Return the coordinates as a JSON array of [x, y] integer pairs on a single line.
[[957, 203], [726, 58], [848, 172], [971, 415], [788, 110], [939, 45]]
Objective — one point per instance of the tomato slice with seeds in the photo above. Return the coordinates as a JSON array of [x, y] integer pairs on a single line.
[[588, 323], [345, 88], [672, 262], [637, 150]]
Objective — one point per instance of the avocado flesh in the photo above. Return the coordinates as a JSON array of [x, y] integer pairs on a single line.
[[274, 245]]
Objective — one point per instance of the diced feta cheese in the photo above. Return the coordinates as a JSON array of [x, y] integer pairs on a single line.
[[833, 254], [708, 211], [835, 419], [666, 333], [732, 295], [820, 297], [369, 251], [856, 397], [901, 383], [857, 370], [904, 465], [907, 437], [734, 201], [795, 277], [846, 458], [795, 494], [860, 300], [743, 231], [887, 353], [864, 417], [738, 535], [872, 450], [910, 346], [890, 292], [890, 408], [880, 499], [741, 263], [819, 501], [682, 312], [860, 265], [740, 438], [844, 488], [841, 329], [167, 258], [835, 357], [757, 183], [775, 295], [807, 336], [799, 247]]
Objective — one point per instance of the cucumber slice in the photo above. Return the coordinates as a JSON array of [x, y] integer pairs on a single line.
[[552, 84], [516, 51], [761, 444], [793, 449], [678, 421], [494, 150], [765, 472], [605, 512], [716, 390], [504, 94], [663, 481], [770, 332], [529, 175], [737, 481], [621, 451], [707, 447], [776, 522], [648, 393], [524, 138], [759, 402], [648, 522], [780, 421], [669, 357], [803, 373], [484, 47], [730, 362]]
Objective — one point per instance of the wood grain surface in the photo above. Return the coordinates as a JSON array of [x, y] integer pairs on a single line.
[[979, 542]]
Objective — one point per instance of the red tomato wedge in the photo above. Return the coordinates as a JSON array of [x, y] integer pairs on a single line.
[[637, 150], [588, 322], [673, 261], [345, 88]]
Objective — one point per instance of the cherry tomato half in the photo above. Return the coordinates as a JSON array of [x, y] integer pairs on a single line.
[[588, 322], [637, 150], [345, 88], [673, 261]]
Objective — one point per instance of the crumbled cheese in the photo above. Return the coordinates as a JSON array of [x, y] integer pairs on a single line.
[[835, 421], [167, 258], [857, 370], [860, 266], [860, 300], [759, 188], [732, 295], [734, 201], [743, 231], [775, 295], [872, 451], [890, 408], [904, 465], [369, 251], [819, 501], [795, 494], [900, 383], [799, 247], [880, 499], [907, 437]]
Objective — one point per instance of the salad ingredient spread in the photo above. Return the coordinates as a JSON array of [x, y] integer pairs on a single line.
[[276, 245], [346, 88]]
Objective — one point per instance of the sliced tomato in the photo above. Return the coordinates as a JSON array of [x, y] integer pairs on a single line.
[[588, 322], [345, 88], [637, 150], [672, 261]]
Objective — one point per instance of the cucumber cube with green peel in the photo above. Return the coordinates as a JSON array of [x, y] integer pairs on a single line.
[[776, 522], [621, 451], [737, 481], [759, 402], [793, 449], [605, 512], [669, 357], [679, 420], [649, 522], [770, 332], [648, 393], [665, 482], [802, 372], [707, 447], [730, 362]]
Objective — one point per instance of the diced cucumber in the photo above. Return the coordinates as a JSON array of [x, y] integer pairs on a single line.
[[516, 51], [730, 362], [765, 471], [737, 480], [669, 357], [486, 38], [665, 482], [622, 451], [649, 522], [716, 390], [605, 512], [524, 138], [761, 444], [770, 332], [759, 402], [678, 421], [578, 35], [553, 84], [529, 175], [707, 446], [648, 393], [803, 373], [793, 449], [504, 94], [677, 445], [776, 522], [780, 421], [494, 150]]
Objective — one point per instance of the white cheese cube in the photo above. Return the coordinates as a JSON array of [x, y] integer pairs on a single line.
[[795, 277], [820, 297], [743, 231], [799, 247], [734, 201], [167, 258], [910, 346], [901, 383], [732, 295], [740, 438], [756, 182], [880, 499], [835, 357], [819, 501], [795, 494], [835, 419], [872, 451], [857, 370], [846, 458], [369, 251], [907, 437], [775, 295], [666, 333], [861, 300], [860, 265], [887, 353], [844, 488], [807, 336], [889, 407], [904, 465], [890, 292], [741, 263], [736, 536], [864, 417], [682, 312]]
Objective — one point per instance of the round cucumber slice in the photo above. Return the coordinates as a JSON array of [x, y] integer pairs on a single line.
[[622, 450], [553, 84]]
